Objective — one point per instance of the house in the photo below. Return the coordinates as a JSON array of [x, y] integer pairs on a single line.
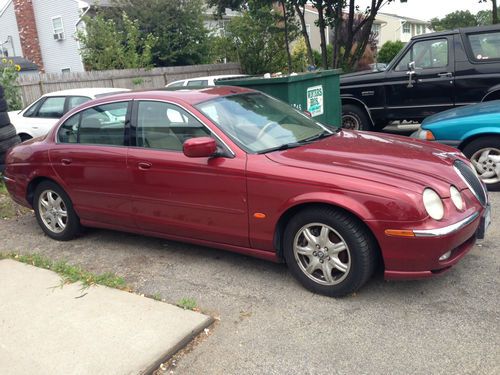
[[43, 32], [391, 27]]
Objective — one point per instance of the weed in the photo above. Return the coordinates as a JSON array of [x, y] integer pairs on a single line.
[[156, 296], [187, 303]]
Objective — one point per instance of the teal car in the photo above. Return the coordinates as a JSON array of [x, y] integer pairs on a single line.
[[474, 130]]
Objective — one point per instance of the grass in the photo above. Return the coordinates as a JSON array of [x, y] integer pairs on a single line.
[[8, 208], [68, 272], [187, 303]]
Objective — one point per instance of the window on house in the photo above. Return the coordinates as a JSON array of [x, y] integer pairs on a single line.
[[58, 28], [66, 70], [376, 28], [406, 28]]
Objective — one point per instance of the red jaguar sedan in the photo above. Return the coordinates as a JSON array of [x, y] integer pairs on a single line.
[[238, 170]]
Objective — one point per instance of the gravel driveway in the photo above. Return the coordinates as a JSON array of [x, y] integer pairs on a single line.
[[270, 324]]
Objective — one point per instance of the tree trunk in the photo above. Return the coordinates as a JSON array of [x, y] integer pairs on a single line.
[[287, 42], [495, 12], [321, 24], [339, 19], [310, 56], [350, 34]]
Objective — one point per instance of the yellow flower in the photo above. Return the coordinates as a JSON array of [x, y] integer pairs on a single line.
[[18, 67], [4, 61], [11, 62]]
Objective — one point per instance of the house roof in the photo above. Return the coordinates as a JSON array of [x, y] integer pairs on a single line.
[[413, 20], [25, 64]]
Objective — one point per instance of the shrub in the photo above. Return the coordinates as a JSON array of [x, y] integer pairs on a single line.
[[8, 77]]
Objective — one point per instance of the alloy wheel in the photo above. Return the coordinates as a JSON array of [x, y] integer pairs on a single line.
[[350, 122], [486, 161], [53, 211]]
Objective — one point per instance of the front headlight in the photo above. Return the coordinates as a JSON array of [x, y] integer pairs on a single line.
[[433, 204], [456, 198], [423, 134]]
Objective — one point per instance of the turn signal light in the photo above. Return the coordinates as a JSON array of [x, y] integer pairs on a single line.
[[429, 136], [399, 233]]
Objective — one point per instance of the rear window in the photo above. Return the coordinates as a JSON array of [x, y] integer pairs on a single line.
[[485, 46]]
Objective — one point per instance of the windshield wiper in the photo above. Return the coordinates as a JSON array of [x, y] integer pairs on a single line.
[[285, 146], [323, 134]]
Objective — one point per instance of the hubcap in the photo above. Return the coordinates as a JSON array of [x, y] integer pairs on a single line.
[[52, 211], [322, 254], [350, 122], [487, 164]]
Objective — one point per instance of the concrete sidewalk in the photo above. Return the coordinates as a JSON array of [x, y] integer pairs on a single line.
[[47, 330]]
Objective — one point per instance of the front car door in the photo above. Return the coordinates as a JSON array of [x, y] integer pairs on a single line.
[[200, 198], [431, 87], [90, 158]]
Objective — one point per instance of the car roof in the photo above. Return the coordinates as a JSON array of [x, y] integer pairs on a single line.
[[87, 91], [463, 30], [191, 96], [207, 78]]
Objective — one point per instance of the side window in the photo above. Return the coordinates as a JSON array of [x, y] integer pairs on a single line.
[[75, 101], [166, 126], [198, 82], [52, 107], [177, 84], [485, 46], [103, 124], [427, 54], [31, 111], [68, 132]]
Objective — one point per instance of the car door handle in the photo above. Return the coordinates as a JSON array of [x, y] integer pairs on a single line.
[[447, 74], [143, 165], [66, 161]]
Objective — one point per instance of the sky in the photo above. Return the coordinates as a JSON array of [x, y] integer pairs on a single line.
[[427, 9], [420, 9]]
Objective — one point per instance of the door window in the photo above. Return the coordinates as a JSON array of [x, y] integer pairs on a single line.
[[99, 125], [198, 82], [427, 54], [485, 46], [75, 101], [166, 126], [52, 107]]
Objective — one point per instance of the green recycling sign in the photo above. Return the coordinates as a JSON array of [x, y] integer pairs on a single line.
[[315, 100]]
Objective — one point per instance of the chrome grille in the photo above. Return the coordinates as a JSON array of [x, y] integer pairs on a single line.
[[471, 180]]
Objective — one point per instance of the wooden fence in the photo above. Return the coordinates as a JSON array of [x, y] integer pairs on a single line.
[[35, 85]]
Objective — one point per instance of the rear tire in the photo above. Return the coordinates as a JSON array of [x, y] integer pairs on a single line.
[[8, 143], [7, 132], [3, 105], [54, 212], [484, 153], [355, 118], [4, 119], [329, 252]]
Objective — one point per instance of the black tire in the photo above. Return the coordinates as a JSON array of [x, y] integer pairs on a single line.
[[1, 92], [3, 105], [72, 221], [25, 137], [4, 119], [7, 132], [8, 143], [360, 253], [355, 118], [475, 148]]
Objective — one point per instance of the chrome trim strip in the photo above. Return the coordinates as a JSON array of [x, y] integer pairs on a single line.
[[420, 106], [446, 230], [5, 178]]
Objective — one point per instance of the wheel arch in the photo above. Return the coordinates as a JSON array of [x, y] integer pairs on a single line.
[[293, 210], [469, 138], [492, 94], [354, 101], [30, 190]]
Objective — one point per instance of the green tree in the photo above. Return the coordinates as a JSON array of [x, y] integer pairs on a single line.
[[104, 46], [460, 18], [389, 50], [494, 10], [177, 24]]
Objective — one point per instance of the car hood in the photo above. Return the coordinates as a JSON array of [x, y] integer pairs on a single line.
[[481, 109], [389, 160]]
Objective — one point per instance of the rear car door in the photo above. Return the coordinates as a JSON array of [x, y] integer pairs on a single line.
[[431, 88], [202, 198], [90, 158]]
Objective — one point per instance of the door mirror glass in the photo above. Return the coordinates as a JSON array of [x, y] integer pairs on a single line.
[[199, 147]]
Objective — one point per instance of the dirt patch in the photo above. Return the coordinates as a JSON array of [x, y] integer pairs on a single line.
[[8, 208]]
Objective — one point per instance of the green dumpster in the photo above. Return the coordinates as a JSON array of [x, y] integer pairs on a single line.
[[316, 92]]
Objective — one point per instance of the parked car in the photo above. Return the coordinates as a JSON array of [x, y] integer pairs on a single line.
[[8, 137], [37, 118], [473, 129], [236, 169], [433, 73], [203, 81]]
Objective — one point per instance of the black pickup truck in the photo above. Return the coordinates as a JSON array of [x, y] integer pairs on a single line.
[[434, 72]]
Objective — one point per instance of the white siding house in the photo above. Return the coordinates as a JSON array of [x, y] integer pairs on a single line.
[[391, 27], [10, 44]]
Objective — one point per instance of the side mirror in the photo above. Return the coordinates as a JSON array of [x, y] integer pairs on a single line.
[[411, 65], [410, 73], [199, 147]]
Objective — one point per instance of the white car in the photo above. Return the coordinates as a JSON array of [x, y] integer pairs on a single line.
[[203, 81], [38, 118]]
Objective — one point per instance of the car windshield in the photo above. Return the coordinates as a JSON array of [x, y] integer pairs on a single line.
[[259, 123]]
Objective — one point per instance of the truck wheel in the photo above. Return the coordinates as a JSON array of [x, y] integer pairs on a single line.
[[484, 153], [355, 118]]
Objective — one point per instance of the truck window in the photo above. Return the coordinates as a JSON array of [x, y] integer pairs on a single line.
[[427, 54], [485, 46]]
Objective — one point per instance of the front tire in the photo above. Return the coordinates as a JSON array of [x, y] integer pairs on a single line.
[[484, 154], [329, 252], [54, 212], [355, 118]]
